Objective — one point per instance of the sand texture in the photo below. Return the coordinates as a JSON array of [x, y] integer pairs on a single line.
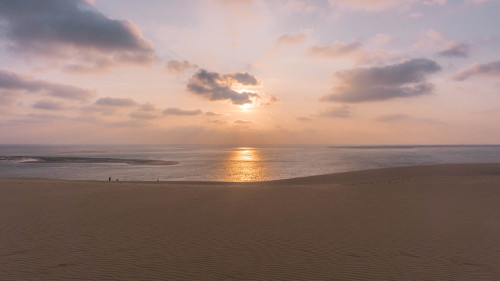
[[413, 223]]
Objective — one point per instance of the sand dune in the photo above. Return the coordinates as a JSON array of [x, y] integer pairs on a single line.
[[412, 223]]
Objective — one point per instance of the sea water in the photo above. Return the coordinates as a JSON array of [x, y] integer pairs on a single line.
[[231, 163]]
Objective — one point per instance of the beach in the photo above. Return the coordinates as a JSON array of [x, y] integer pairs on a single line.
[[435, 222]]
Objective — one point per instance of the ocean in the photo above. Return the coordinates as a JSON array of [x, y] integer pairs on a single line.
[[231, 163]]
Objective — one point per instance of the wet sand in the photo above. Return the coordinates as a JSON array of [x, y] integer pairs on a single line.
[[412, 223]]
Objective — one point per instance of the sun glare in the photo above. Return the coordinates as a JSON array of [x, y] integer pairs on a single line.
[[246, 106]]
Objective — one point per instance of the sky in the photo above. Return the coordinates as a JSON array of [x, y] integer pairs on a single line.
[[249, 72]]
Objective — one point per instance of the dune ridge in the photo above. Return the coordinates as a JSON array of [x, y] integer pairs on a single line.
[[438, 222]]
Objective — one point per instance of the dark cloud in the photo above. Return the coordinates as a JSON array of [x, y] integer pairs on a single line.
[[50, 27], [242, 78], [456, 50], [115, 102], [176, 66], [15, 82], [337, 112], [48, 105], [335, 49], [178, 111], [485, 69], [404, 79], [214, 86]]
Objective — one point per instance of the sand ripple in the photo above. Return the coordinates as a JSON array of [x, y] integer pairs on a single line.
[[411, 226]]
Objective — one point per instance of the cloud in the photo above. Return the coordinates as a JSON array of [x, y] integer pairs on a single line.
[[392, 117], [56, 28], [434, 40], [485, 69], [48, 105], [211, 113], [176, 66], [304, 118], [396, 118], [355, 51], [143, 115], [16, 82], [288, 40], [269, 100], [379, 5], [416, 15], [8, 100], [337, 112], [299, 6], [292, 38], [336, 49], [456, 50], [215, 87], [178, 111], [145, 111], [243, 78], [405, 79], [218, 122], [115, 102], [243, 122], [369, 5]]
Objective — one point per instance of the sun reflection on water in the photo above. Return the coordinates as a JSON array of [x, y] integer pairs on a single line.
[[244, 164]]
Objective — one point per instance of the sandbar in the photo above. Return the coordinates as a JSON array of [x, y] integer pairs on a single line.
[[53, 159]]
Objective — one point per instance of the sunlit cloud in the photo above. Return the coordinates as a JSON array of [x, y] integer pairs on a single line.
[[335, 49], [406, 79], [354, 51], [292, 38], [175, 66], [491, 69], [445, 47]]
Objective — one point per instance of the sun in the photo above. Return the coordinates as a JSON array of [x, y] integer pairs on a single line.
[[246, 106]]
